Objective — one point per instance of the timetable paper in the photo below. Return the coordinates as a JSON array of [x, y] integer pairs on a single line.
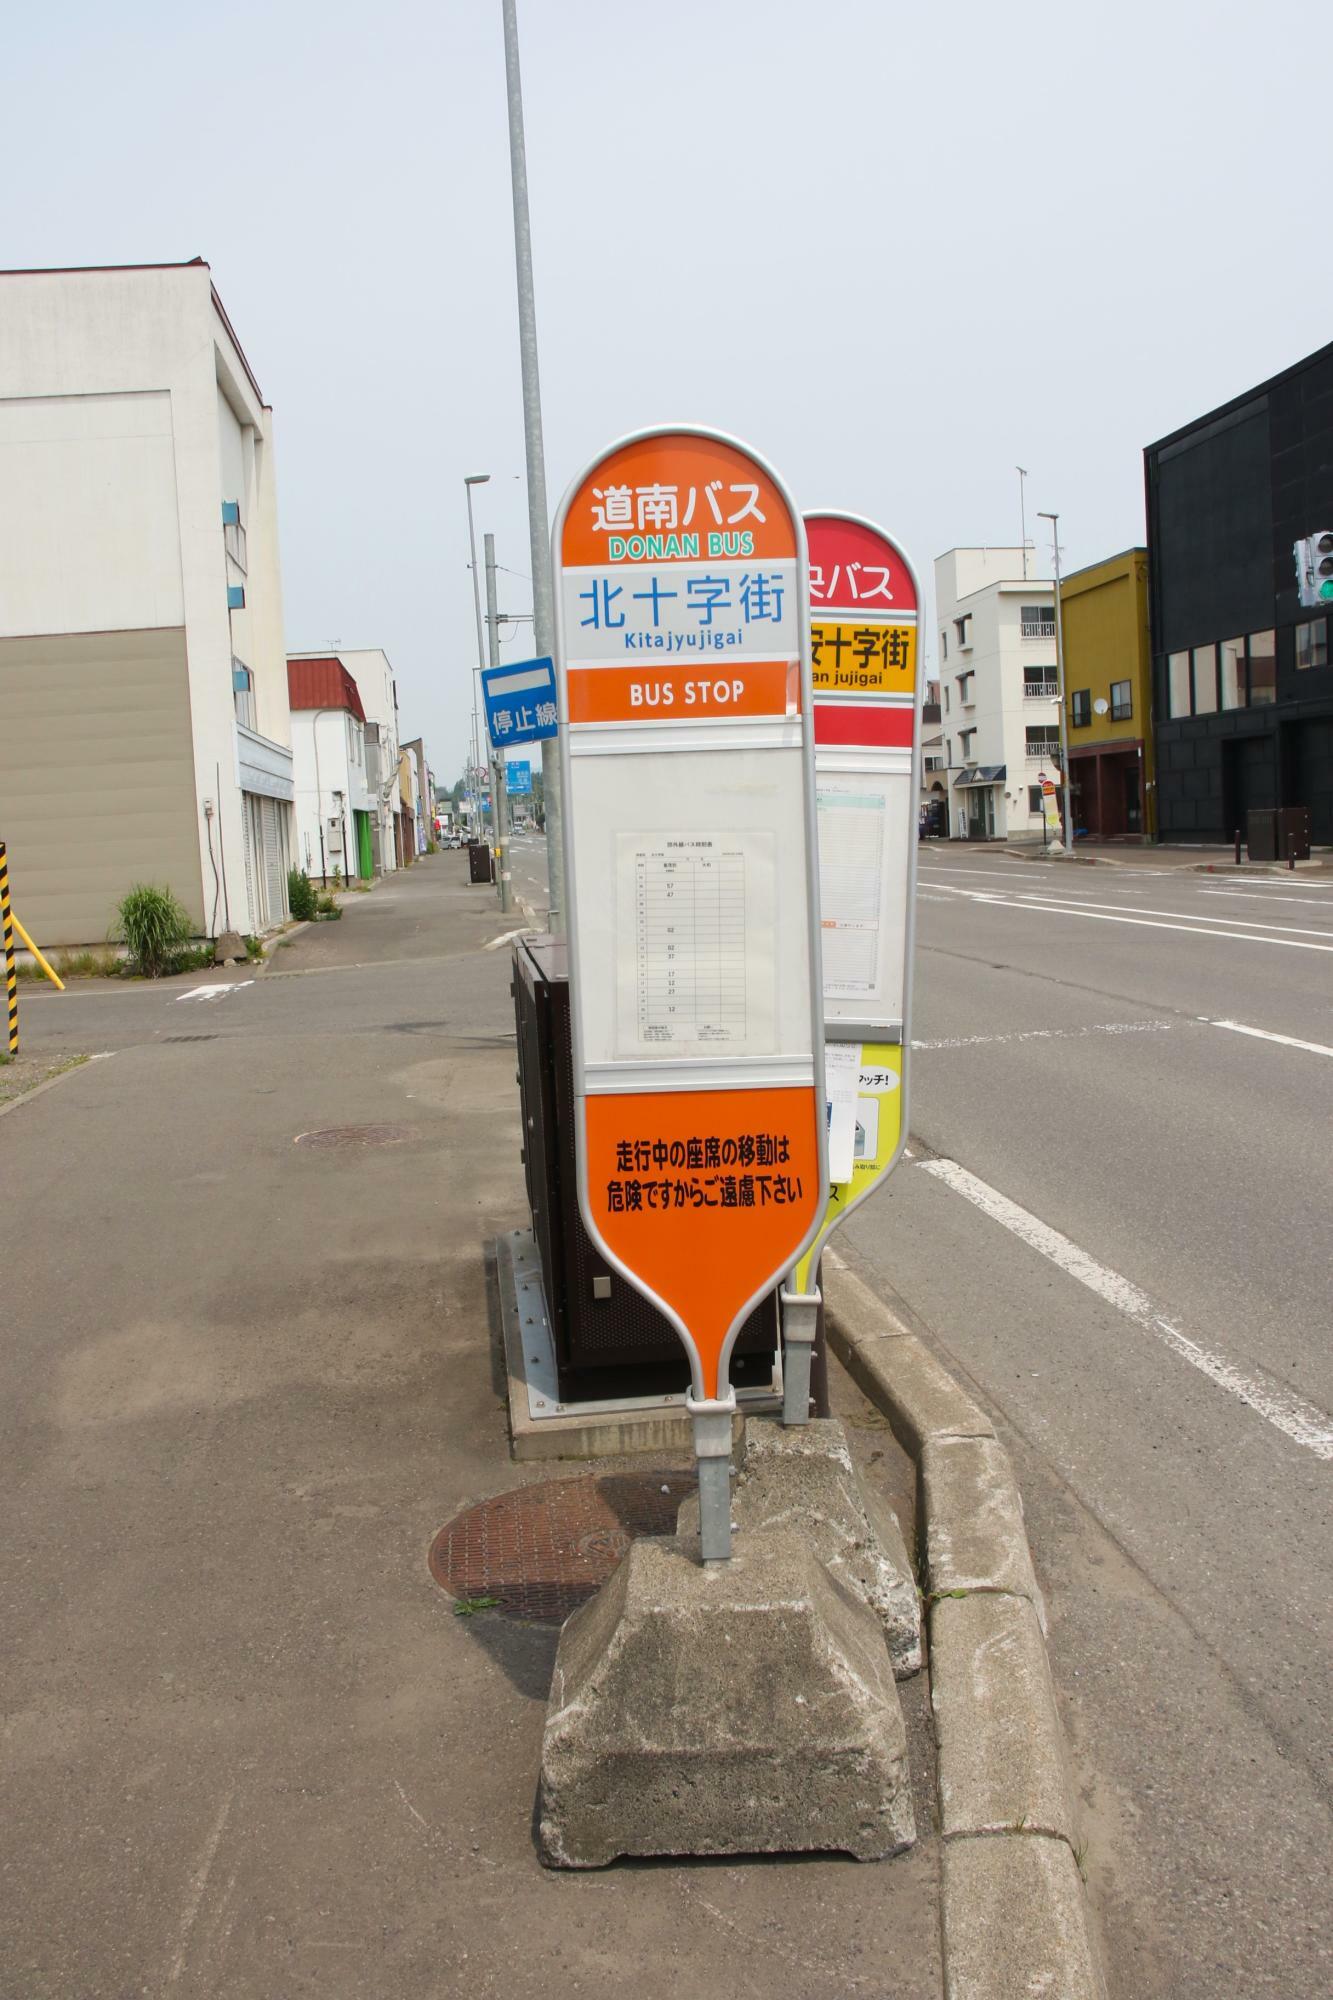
[[695, 944], [851, 886]]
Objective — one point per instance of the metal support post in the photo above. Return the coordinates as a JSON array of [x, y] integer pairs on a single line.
[[800, 1323], [499, 787], [712, 1451], [11, 970], [539, 524]]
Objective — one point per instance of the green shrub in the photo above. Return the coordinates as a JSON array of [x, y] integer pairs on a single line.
[[300, 895], [327, 906], [155, 928]]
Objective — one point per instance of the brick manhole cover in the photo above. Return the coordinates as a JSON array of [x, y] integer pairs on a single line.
[[336, 1136], [543, 1550]]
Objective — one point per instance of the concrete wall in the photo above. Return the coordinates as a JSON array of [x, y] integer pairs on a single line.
[[108, 801], [987, 587]]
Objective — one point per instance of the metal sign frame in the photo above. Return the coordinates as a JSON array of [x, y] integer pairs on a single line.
[[695, 1073], [848, 1028]]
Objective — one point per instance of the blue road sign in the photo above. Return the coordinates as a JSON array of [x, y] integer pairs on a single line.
[[520, 701], [518, 777]]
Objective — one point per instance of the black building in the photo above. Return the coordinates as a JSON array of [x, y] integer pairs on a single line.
[[1243, 685]]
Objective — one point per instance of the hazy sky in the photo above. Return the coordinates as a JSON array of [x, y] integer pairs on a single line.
[[897, 248]]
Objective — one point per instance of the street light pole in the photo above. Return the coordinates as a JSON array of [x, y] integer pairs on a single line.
[[499, 788], [539, 524], [469, 481], [1054, 520]]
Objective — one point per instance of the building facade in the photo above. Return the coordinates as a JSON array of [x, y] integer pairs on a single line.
[[1108, 693], [1241, 664], [1000, 718], [370, 669], [141, 644], [333, 798]]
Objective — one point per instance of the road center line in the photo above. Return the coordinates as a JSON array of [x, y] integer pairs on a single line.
[[1302, 1422], [1193, 929], [1264, 1035], [1138, 910], [1053, 1034]]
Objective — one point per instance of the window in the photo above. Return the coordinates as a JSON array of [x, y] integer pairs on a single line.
[[1231, 671], [965, 737], [1122, 701], [960, 626], [1034, 799], [1263, 668], [243, 693], [1178, 684], [946, 701], [948, 750], [1042, 741], [934, 763], [1312, 644], [1080, 708], [233, 540], [1205, 680], [1038, 681], [965, 694], [1037, 621], [944, 645]]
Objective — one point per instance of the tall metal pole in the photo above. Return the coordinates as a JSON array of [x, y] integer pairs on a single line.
[[499, 788], [1022, 472], [1054, 520], [470, 480], [539, 524]]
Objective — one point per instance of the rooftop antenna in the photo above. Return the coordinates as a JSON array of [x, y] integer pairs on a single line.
[[1022, 472]]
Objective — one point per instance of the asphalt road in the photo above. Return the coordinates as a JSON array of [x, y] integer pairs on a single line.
[[1115, 1223]]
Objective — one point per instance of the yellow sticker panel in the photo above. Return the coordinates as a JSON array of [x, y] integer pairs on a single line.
[[863, 659], [878, 1126]]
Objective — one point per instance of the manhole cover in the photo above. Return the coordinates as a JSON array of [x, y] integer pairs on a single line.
[[543, 1550], [334, 1136]]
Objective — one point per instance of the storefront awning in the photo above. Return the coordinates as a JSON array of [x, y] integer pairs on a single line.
[[981, 774]]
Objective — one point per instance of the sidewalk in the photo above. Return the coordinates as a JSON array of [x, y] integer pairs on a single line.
[[251, 1751], [1125, 855]]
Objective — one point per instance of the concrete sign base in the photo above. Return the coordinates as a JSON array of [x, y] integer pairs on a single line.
[[746, 1708], [803, 1478]]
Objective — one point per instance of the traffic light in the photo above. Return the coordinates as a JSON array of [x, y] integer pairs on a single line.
[[1314, 568]]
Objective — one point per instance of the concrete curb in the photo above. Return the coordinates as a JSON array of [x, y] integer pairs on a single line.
[[1014, 1913]]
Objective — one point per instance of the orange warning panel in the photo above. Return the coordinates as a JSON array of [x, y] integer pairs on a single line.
[[684, 693], [705, 1195]]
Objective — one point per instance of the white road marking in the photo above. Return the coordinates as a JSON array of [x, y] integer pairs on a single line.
[[506, 937], [1265, 1035], [214, 992], [1052, 1034], [1194, 928], [1246, 923], [1302, 1422], [197, 1884], [1319, 902]]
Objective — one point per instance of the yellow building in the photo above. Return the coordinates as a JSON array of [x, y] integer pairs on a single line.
[[1108, 696]]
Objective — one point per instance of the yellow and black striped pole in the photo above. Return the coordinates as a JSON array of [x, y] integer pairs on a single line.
[[11, 971]]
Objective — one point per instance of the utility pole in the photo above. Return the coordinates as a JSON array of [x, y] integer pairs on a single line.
[[499, 787], [1054, 520], [539, 524], [469, 481]]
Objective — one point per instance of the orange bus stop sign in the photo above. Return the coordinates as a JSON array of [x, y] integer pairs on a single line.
[[682, 656]]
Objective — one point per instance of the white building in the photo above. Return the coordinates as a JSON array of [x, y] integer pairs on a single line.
[[1000, 717], [370, 669], [334, 802], [144, 732]]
